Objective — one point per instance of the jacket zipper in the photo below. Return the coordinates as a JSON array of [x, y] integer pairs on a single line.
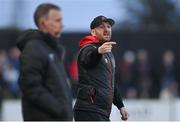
[[92, 96], [110, 85]]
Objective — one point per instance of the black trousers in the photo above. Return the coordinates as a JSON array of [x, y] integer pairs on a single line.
[[80, 115]]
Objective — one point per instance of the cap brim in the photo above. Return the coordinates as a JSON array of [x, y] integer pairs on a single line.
[[110, 21]]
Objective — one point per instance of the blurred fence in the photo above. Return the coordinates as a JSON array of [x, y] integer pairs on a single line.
[[139, 110]]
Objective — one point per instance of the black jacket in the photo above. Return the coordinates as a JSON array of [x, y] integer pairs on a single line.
[[43, 81], [96, 91]]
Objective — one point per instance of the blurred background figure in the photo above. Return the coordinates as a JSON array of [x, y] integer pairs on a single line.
[[9, 61], [3, 65], [143, 77], [11, 72], [3, 61], [125, 75], [168, 83]]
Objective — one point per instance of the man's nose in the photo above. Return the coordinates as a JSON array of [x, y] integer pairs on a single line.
[[62, 25], [106, 29]]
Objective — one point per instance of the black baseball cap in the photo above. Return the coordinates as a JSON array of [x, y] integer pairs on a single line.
[[99, 20]]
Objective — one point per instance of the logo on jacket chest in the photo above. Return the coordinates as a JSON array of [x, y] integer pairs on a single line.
[[51, 56], [106, 60]]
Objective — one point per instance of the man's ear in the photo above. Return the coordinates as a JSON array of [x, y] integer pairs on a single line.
[[93, 32], [42, 24]]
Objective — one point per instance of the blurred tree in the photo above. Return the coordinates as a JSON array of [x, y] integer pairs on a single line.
[[151, 15]]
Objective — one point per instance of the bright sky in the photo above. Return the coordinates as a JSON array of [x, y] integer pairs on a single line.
[[77, 13]]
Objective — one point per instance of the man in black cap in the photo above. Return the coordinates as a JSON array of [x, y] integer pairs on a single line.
[[96, 66]]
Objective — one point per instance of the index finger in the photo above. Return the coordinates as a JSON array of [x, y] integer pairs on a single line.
[[109, 43]]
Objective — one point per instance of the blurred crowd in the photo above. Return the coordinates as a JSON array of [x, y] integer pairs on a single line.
[[135, 76]]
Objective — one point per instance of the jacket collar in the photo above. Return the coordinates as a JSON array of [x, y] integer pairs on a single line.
[[88, 40]]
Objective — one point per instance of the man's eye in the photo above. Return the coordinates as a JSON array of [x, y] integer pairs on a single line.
[[58, 20], [108, 26], [101, 26]]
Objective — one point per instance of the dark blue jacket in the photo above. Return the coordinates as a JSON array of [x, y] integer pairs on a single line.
[[43, 81]]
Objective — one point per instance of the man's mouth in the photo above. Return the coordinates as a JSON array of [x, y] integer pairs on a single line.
[[106, 35], [58, 33]]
